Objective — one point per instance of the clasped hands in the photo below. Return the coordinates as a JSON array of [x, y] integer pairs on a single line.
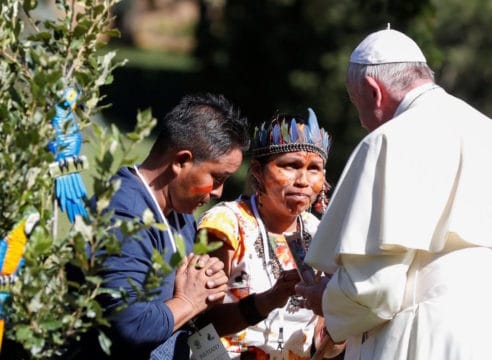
[[200, 281]]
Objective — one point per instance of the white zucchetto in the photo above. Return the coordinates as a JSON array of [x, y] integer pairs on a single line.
[[387, 46]]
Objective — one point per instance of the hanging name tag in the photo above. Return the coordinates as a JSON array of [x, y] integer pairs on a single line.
[[206, 345]]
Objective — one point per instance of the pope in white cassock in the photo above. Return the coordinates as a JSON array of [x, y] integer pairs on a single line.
[[408, 232]]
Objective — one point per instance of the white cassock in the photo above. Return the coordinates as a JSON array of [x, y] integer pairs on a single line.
[[408, 236]]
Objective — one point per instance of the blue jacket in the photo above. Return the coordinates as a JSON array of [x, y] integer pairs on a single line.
[[142, 326]]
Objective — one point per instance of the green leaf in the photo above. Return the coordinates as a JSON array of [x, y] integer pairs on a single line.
[[39, 243], [113, 33], [133, 136], [81, 28], [96, 280], [104, 342], [214, 246], [160, 226], [41, 36], [200, 249], [176, 259], [51, 324], [76, 44], [23, 332], [148, 217], [43, 55], [29, 5], [180, 244]]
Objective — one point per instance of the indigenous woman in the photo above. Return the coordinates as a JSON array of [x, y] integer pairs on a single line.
[[264, 319]]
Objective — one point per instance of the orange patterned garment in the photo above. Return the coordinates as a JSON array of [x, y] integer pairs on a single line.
[[235, 224]]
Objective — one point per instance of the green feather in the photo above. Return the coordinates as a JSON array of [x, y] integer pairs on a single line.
[[285, 132]]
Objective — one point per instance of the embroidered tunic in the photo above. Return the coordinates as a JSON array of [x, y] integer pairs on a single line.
[[236, 224]]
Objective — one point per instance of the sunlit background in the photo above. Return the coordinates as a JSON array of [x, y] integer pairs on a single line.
[[285, 55]]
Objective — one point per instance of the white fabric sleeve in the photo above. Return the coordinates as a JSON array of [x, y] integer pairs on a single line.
[[364, 292], [400, 190]]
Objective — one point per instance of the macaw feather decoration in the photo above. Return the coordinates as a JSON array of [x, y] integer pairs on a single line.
[[70, 190], [288, 135], [4, 300], [12, 248]]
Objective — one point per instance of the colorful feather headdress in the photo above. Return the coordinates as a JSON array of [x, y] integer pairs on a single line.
[[285, 134]]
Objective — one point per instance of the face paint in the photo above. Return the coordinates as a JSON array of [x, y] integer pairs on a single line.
[[293, 180], [201, 190], [278, 177], [198, 182], [318, 186]]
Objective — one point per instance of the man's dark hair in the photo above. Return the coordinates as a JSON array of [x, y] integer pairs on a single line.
[[207, 124]]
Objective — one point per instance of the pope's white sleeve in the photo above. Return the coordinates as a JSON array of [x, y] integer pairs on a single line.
[[364, 292]]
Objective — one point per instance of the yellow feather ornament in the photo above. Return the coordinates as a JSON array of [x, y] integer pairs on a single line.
[[12, 249]]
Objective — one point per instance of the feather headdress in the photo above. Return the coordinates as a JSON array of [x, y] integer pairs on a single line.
[[287, 133]]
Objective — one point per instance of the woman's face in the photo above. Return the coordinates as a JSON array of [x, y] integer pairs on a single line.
[[291, 181]]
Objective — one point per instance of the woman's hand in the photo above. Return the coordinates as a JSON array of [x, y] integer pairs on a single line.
[[278, 295], [313, 294]]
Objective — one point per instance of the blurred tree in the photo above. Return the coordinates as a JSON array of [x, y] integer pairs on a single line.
[[269, 55], [287, 55], [463, 31], [40, 57], [53, 299]]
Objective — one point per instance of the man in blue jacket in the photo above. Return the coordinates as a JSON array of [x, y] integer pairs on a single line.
[[200, 145]]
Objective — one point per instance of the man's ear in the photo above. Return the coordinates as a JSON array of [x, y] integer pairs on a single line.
[[182, 159], [375, 89]]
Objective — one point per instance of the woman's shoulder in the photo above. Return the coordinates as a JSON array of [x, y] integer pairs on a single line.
[[226, 220], [227, 209], [238, 206]]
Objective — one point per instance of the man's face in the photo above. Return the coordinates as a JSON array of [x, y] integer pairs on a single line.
[[368, 113], [374, 101], [196, 183]]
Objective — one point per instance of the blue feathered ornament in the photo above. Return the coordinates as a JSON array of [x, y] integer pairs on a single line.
[[70, 190]]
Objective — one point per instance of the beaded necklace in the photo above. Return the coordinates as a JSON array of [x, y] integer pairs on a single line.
[[266, 246]]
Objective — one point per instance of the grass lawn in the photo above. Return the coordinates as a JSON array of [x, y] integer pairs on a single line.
[[153, 59]]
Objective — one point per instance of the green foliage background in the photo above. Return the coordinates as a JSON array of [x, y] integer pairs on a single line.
[[39, 60], [269, 55], [265, 55]]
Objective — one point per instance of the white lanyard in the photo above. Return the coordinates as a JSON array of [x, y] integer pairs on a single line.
[[266, 254], [263, 235], [159, 210]]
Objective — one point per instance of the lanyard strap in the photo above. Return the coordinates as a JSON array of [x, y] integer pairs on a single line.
[[159, 210], [266, 254], [263, 234]]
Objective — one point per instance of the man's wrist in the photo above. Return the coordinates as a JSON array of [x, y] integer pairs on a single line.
[[184, 304]]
